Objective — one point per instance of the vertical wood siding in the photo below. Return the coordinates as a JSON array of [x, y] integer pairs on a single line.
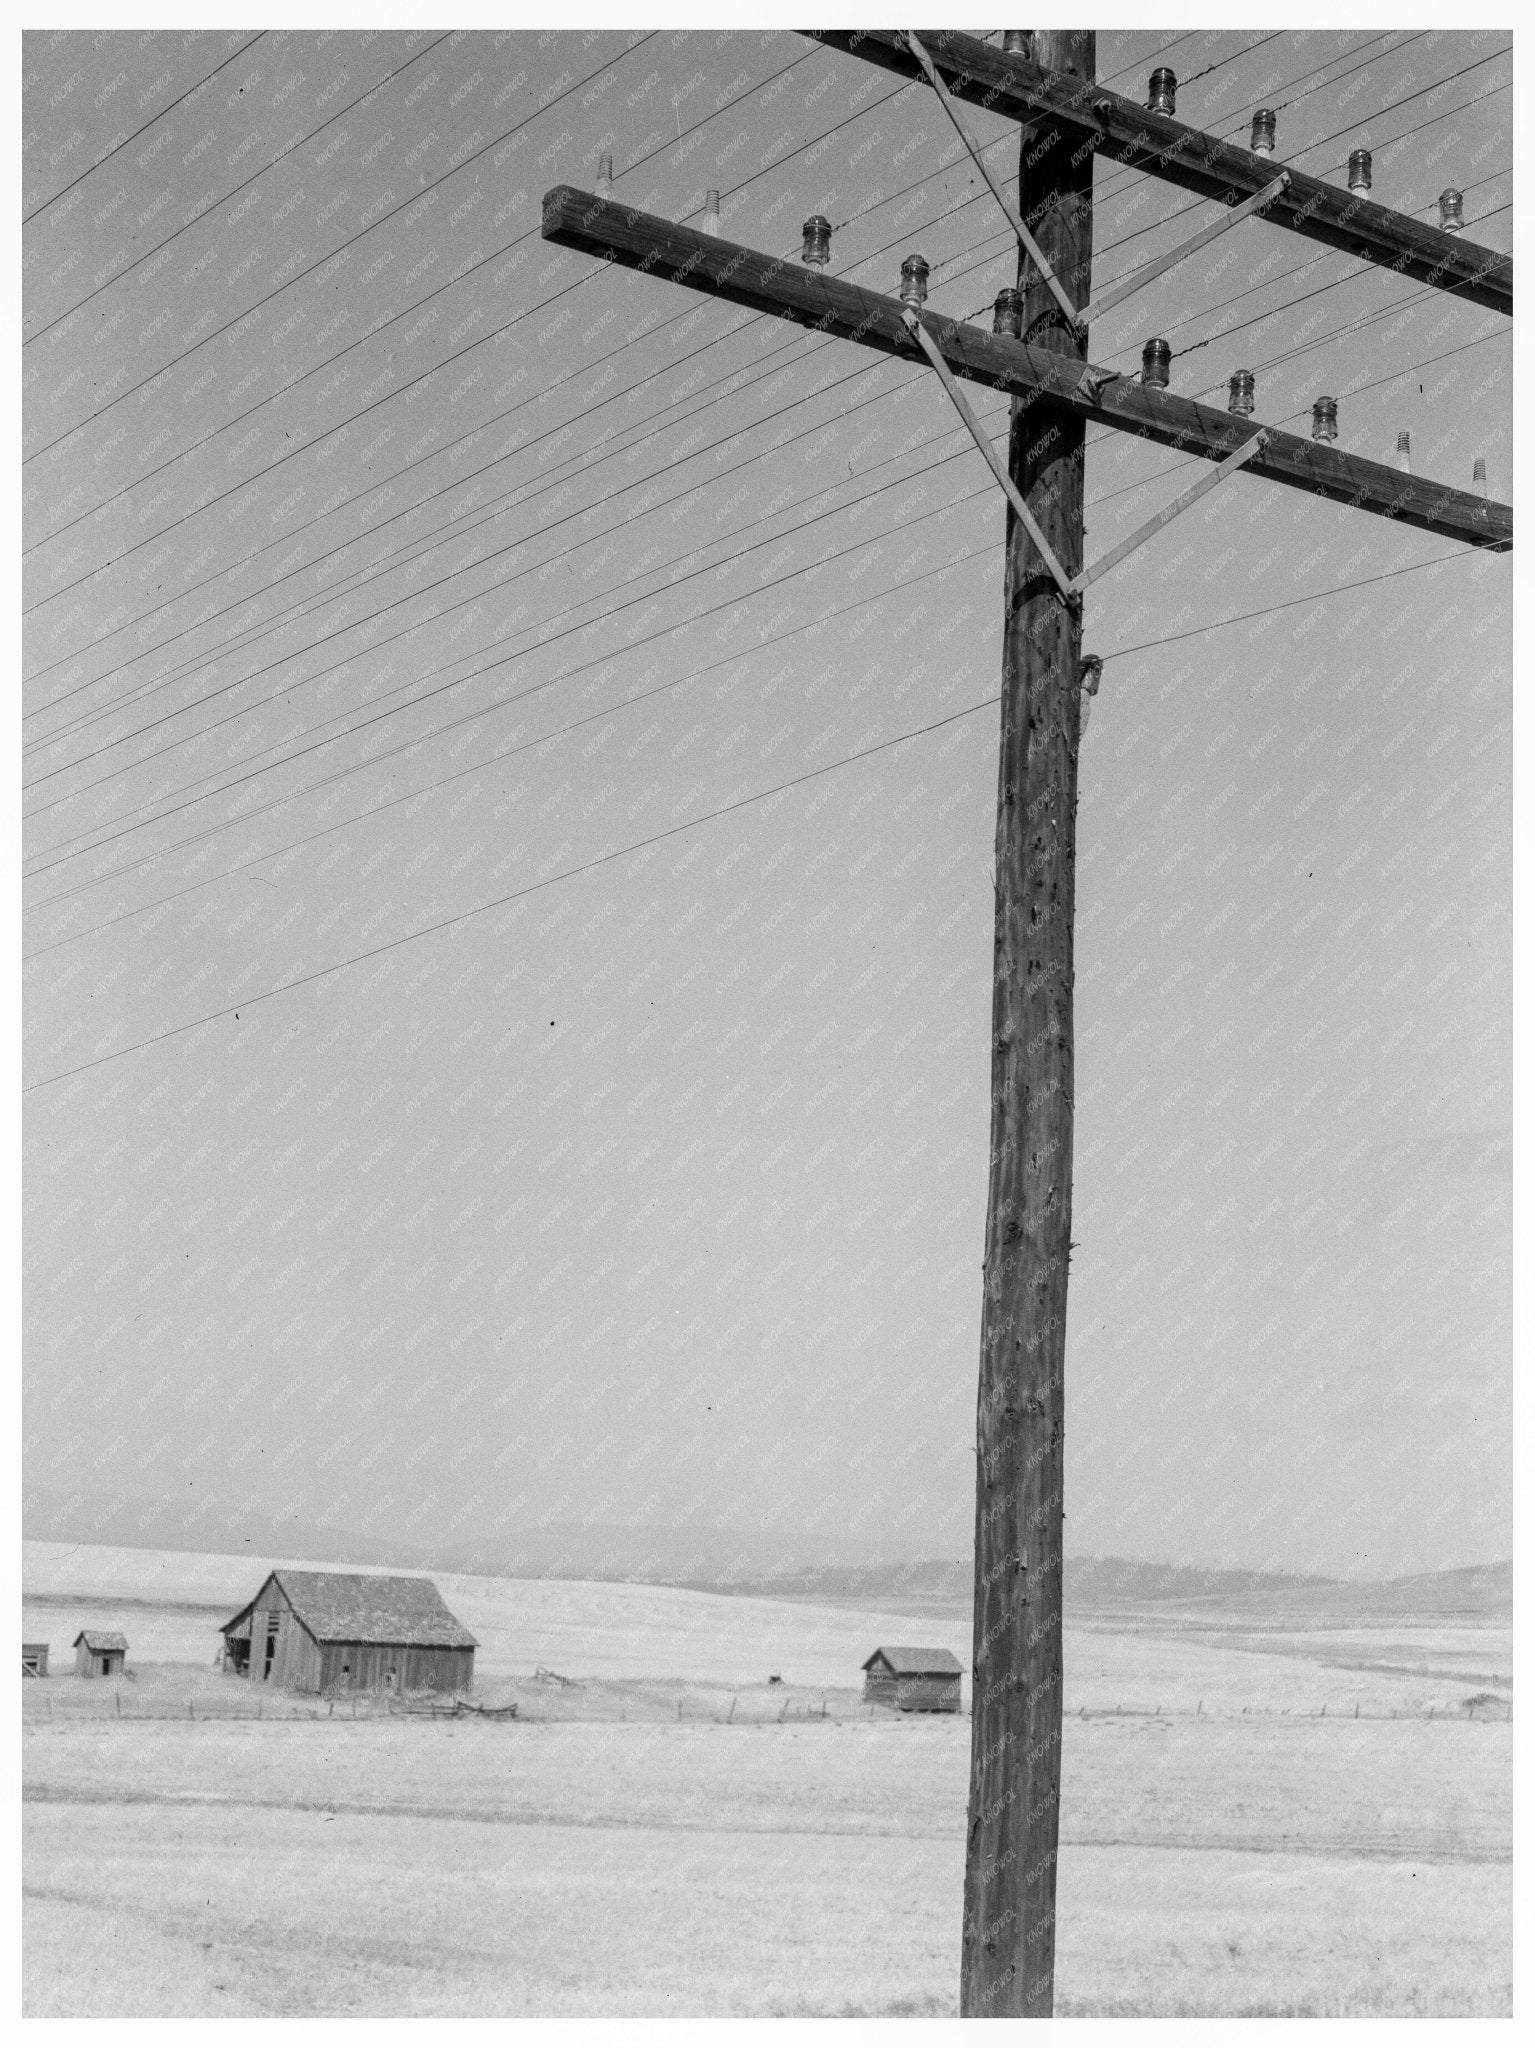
[[913, 1695], [414, 1669]]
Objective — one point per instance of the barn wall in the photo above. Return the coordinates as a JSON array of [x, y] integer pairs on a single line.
[[297, 1663], [415, 1669], [272, 1615], [915, 1695]]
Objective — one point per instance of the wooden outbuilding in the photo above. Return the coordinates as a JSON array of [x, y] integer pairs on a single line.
[[341, 1632], [34, 1660], [917, 1681], [100, 1653]]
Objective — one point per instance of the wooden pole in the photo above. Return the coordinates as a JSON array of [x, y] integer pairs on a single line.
[[1008, 1953]]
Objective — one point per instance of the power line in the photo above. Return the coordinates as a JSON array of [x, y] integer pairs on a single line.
[[289, 284], [531, 889], [328, 597], [410, 746], [376, 809], [392, 566], [495, 335], [489, 518], [120, 397], [331, 596], [692, 824], [191, 93], [214, 204], [1284, 605], [501, 661], [1221, 63], [432, 455]]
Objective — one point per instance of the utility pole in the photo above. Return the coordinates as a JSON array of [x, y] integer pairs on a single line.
[[1045, 81], [1008, 1957]]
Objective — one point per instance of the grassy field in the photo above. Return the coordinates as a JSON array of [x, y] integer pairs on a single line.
[[1226, 1848]]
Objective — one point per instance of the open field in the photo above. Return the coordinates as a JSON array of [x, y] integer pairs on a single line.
[[1225, 1848]]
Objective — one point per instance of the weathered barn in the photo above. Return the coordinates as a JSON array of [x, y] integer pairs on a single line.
[[917, 1681], [99, 1653], [34, 1660], [339, 1632]]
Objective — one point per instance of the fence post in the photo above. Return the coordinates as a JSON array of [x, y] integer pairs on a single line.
[[118, 1699]]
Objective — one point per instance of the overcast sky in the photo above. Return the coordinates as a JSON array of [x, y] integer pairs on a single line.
[[532, 644]]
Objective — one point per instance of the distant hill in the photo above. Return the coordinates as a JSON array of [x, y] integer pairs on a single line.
[[137, 1522], [1090, 1582], [1107, 1581], [693, 1554], [1483, 1592], [1124, 1585], [746, 1561]]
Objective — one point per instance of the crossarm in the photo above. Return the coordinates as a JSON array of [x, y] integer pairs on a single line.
[[775, 285], [1115, 127]]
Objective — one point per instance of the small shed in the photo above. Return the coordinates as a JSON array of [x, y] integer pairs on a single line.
[[99, 1653], [915, 1680], [34, 1660], [341, 1632]]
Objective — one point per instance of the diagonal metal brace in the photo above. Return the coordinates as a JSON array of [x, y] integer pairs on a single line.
[[934, 354], [1159, 265], [1181, 503], [1013, 216]]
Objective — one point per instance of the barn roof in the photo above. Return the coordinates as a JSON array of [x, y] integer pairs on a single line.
[[909, 1663], [367, 1607], [100, 1639]]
